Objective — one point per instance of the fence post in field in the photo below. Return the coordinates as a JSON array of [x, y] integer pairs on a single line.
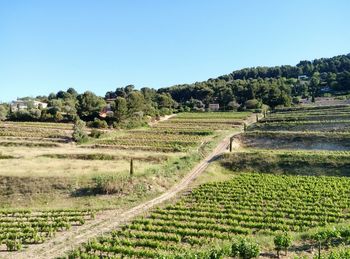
[[231, 140], [131, 167]]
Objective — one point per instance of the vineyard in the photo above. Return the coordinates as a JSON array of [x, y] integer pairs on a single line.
[[53, 169], [300, 162], [289, 174], [34, 134], [19, 228], [218, 212], [335, 118], [304, 192], [178, 134], [312, 128], [311, 140]]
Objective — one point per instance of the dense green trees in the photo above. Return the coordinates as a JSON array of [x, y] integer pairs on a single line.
[[272, 92], [126, 106], [136, 102], [120, 109], [273, 86], [248, 88], [89, 105], [337, 64]]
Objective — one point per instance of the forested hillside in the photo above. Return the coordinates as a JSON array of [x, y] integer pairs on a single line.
[[249, 88], [272, 86]]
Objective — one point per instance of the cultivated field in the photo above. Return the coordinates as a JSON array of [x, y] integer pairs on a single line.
[[23, 227], [216, 213], [288, 173], [42, 168], [178, 134], [297, 187]]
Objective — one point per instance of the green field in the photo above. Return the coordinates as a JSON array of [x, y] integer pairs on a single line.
[[288, 174], [335, 118], [181, 133], [23, 227], [215, 213], [296, 162], [59, 182]]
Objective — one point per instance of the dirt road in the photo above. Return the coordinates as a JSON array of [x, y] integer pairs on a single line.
[[111, 219]]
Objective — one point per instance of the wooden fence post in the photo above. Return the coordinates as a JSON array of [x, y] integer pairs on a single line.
[[131, 167]]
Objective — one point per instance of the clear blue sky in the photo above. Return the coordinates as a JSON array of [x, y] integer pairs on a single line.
[[98, 45]]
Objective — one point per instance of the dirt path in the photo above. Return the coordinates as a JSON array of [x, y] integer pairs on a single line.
[[111, 219], [166, 117]]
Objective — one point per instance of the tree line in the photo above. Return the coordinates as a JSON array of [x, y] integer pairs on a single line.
[[272, 86], [126, 106], [248, 88]]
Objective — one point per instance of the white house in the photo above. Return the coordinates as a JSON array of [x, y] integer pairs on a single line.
[[214, 107], [41, 105], [18, 105], [23, 105]]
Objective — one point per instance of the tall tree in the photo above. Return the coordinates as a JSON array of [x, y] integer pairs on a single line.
[[165, 101], [136, 102], [72, 92], [89, 105], [120, 109], [314, 85]]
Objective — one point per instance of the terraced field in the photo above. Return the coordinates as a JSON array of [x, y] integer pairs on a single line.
[[313, 128], [207, 221], [215, 213], [74, 175], [178, 134], [18, 132], [334, 118], [296, 162], [290, 179], [311, 140]]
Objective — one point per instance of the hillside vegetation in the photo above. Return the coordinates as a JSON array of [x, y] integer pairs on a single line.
[[283, 186], [270, 194]]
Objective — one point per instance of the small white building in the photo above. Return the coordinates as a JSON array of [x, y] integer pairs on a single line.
[[18, 105], [41, 105], [23, 105], [214, 107]]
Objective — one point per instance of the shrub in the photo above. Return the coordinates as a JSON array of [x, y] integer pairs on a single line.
[[95, 133], [97, 123], [296, 100], [252, 104], [216, 254], [13, 245], [79, 134], [282, 241], [110, 184], [245, 248], [165, 111]]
